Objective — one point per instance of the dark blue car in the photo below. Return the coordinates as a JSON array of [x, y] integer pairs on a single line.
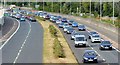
[[90, 56], [64, 20], [81, 27], [105, 45], [70, 22], [74, 24]]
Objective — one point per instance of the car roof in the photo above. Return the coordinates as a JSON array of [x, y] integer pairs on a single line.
[[105, 41], [79, 35]]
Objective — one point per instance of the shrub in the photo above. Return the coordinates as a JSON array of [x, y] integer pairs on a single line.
[[53, 30], [58, 49], [37, 17]]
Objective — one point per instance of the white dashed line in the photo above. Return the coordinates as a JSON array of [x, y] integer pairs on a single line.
[[23, 44]]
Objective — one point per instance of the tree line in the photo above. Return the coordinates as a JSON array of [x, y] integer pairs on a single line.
[[75, 7]]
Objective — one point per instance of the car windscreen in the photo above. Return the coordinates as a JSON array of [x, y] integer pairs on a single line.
[[95, 36], [105, 42], [90, 53], [80, 39], [82, 26]]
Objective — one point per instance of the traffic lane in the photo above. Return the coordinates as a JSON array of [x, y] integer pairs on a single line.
[[103, 55], [103, 31], [8, 24], [113, 36], [108, 55], [78, 52], [32, 51], [111, 56], [10, 50]]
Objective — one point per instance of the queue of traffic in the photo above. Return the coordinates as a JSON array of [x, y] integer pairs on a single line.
[[80, 40]]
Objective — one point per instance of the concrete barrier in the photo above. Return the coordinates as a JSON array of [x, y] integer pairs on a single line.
[[1, 16]]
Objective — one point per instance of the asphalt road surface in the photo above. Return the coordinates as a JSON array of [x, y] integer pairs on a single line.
[[26, 45], [113, 36], [105, 57], [8, 24]]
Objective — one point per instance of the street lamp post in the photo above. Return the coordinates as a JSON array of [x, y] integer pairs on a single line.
[[90, 8], [70, 9], [113, 13], [52, 5], [60, 6], [100, 9], [77, 10]]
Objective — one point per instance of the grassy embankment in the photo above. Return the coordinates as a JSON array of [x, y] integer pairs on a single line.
[[52, 44]]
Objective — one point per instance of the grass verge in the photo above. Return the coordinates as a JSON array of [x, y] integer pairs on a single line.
[[48, 55]]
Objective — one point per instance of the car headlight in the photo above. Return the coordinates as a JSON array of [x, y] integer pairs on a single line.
[[110, 45], [95, 58], [102, 46], [85, 58]]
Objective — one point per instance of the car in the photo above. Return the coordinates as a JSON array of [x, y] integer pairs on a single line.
[[58, 22], [73, 34], [70, 22], [65, 25], [32, 19], [92, 33], [90, 56], [18, 16], [22, 18], [59, 17], [74, 24], [65, 29], [47, 17], [53, 19], [81, 27], [105, 45], [70, 30], [61, 25], [95, 38], [64, 20], [80, 40]]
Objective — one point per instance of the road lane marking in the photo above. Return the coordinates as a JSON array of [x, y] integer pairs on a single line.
[[103, 40], [11, 35], [95, 50], [22, 44]]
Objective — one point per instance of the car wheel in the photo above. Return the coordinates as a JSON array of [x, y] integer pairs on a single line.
[[100, 48], [84, 45], [71, 38], [76, 45], [89, 37], [110, 48]]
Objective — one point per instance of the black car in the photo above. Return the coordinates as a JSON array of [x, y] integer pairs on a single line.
[[105, 45]]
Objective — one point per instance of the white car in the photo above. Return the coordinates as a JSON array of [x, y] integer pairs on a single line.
[[65, 25], [65, 29], [95, 38], [58, 21], [80, 40], [74, 34]]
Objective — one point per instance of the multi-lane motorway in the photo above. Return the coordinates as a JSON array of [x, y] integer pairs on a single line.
[[26, 45], [106, 57]]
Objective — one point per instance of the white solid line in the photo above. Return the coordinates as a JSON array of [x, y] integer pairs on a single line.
[[23, 44], [11, 35], [103, 40]]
